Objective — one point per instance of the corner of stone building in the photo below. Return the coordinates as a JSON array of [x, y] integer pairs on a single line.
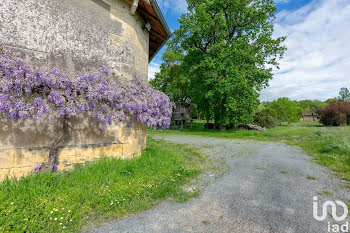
[[117, 40], [117, 142]]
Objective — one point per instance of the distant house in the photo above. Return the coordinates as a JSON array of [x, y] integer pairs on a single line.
[[182, 114], [74, 35], [311, 116]]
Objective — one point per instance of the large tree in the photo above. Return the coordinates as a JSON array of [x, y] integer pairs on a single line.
[[229, 55], [172, 79], [344, 94]]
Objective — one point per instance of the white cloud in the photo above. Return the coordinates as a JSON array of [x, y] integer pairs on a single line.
[[317, 62], [153, 68], [177, 7]]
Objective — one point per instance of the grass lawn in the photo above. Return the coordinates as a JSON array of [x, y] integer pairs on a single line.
[[99, 191], [329, 146]]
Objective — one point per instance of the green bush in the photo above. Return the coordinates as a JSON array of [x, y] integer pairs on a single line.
[[285, 110], [277, 112], [264, 119]]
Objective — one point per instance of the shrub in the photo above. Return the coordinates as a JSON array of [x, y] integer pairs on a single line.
[[284, 110], [277, 112], [264, 119], [335, 114]]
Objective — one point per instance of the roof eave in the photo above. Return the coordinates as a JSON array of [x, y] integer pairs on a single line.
[[165, 25]]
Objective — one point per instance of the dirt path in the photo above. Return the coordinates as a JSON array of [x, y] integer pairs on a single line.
[[266, 189]]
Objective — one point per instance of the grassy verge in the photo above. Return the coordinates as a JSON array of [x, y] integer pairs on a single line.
[[99, 191], [330, 146]]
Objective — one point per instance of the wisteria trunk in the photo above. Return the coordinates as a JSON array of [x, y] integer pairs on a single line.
[[51, 165]]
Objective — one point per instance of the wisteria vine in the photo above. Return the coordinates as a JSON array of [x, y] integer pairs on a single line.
[[26, 93]]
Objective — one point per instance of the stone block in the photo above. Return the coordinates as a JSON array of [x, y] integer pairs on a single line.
[[5, 160], [19, 172], [131, 150], [3, 173], [73, 156]]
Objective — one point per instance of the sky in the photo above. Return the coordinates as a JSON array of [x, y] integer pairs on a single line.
[[317, 62]]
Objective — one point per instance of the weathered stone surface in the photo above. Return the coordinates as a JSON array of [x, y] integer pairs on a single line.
[[19, 172], [76, 34], [3, 173], [138, 143], [72, 35], [22, 162], [25, 148], [70, 156]]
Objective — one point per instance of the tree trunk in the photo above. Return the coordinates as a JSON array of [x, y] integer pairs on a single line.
[[216, 125], [51, 165]]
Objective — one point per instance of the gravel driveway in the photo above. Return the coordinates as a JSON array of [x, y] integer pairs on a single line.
[[267, 188]]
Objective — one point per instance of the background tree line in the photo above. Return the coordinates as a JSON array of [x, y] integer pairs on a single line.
[[332, 112], [221, 57]]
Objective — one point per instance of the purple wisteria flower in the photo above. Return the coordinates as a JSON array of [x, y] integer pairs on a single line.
[[54, 167], [37, 167], [26, 93]]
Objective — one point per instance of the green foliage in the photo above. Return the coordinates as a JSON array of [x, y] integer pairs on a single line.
[[99, 191], [284, 110], [227, 54], [332, 100], [325, 193], [278, 111], [206, 221], [309, 106], [264, 119], [344, 94], [312, 178], [172, 79]]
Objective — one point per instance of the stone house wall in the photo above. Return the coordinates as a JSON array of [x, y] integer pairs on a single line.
[[72, 35]]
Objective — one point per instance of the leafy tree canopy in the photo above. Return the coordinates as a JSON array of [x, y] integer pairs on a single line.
[[311, 105], [171, 79], [344, 94], [228, 55], [285, 110]]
